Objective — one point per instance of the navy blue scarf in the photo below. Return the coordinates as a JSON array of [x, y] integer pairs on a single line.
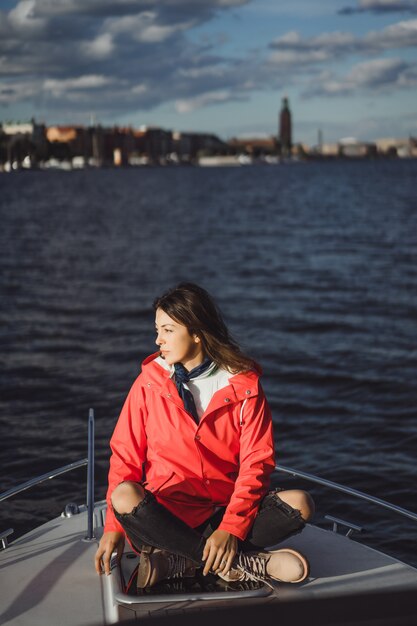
[[184, 376]]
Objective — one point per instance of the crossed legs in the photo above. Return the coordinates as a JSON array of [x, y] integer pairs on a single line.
[[148, 522]]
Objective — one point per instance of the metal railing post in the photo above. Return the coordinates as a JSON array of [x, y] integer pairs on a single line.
[[90, 477]]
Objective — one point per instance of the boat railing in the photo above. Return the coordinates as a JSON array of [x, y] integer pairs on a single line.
[[347, 490], [42, 478], [33, 482], [89, 461]]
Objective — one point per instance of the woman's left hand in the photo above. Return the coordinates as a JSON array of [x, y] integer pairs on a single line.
[[219, 552]]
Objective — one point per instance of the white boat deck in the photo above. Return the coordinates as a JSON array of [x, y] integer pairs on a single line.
[[47, 577]]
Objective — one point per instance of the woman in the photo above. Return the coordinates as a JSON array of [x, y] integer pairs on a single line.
[[192, 455]]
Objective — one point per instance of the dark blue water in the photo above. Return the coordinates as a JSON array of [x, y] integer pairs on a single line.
[[315, 268]]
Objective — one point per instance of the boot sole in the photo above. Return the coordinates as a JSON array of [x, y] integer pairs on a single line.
[[144, 568], [303, 560]]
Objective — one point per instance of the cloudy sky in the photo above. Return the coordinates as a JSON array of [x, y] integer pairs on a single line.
[[348, 67]]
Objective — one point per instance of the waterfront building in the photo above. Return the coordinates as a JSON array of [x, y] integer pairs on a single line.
[[24, 144], [119, 145], [398, 147], [92, 146], [254, 146], [184, 147], [329, 149], [353, 148], [153, 143], [189, 146], [67, 143]]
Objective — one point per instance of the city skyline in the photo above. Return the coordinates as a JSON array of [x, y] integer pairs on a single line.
[[348, 67]]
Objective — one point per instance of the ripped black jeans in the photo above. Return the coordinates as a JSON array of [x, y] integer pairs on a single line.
[[152, 524]]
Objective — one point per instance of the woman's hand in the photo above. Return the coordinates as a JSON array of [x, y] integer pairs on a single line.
[[219, 552], [110, 542]]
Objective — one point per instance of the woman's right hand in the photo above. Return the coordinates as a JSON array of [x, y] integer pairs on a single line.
[[110, 542]]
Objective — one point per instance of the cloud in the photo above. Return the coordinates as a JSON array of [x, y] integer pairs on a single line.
[[13, 92], [145, 27], [79, 50], [118, 57], [23, 18], [381, 6], [101, 47], [202, 72], [373, 76], [139, 89], [198, 102], [107, 8], [58, 87], [291, 48], [308, 58]]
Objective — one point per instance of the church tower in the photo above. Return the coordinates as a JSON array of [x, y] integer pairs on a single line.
[[285, 129]]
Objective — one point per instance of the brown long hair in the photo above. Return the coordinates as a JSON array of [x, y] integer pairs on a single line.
[[193, 307]]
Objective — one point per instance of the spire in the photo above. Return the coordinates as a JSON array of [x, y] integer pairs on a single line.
[[285, 128]]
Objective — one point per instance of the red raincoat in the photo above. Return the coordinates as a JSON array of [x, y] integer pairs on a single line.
[[224, 460]]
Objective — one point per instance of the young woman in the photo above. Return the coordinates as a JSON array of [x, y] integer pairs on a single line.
[[192, 455]]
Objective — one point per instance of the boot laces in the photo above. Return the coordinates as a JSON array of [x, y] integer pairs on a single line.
[[177, 565], [253, 566]]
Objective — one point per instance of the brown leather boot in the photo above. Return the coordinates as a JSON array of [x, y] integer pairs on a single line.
[[284, 565], [156, 565]]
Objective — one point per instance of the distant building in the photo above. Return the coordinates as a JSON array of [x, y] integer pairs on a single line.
[[353, 148], [253, 146], [95, 145], [24, 144], [184, 146], [190, 146], [329, 149], [319, 140], [153, 143], [118, 144], [285, 129], [397, 147], [69, 142], [62, 134], [413, 147]]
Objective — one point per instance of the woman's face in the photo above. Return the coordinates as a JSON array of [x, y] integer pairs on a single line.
[[175, 342]]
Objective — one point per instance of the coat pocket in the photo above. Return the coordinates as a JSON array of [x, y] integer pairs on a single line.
[[156, 483]]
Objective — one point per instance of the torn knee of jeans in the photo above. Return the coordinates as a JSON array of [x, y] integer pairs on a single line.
[[294, 513], [146, 500], [149, 497], [273, 500]]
